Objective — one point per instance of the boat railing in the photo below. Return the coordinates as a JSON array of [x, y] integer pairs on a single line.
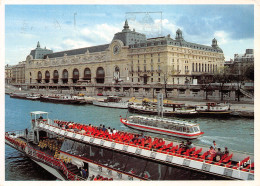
[[54, 162], [173, 153], [17, 133]]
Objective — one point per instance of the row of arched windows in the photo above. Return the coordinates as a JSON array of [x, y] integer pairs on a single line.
[[100, 76], [204, 67]]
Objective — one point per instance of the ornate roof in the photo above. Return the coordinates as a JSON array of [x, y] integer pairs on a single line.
[[92, 49]]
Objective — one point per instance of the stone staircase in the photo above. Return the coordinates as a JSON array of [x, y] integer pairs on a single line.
[[246, 93]]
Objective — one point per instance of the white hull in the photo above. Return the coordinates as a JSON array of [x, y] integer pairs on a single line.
[[122, 105], [158, 130]]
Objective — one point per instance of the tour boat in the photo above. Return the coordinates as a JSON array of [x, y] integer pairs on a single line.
[[212, 108], [61, 99], [112, 101], [33, 97], [64, 148], [177, 110], [164, 126], [19, 95]]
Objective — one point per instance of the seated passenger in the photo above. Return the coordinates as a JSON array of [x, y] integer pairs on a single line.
[[214, 145], [189, 145], [226, 151], [182, 145], [212, 151], [219, 155]]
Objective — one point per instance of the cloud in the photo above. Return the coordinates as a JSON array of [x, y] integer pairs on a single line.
[[99, 33], [222, 36], [73, 44]]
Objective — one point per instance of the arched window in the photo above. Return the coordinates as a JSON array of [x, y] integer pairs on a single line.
[[87, 74], [39, 78], [192, 67], [55, 76], [47, 77], [100, 75], [116, 74], [75, 77], [65, 76], [196, 67], [199, 67]]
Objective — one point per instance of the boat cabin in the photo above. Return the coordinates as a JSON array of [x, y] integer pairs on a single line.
[[176, 125]]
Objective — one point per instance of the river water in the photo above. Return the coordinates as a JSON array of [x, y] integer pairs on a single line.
[[235, 133]]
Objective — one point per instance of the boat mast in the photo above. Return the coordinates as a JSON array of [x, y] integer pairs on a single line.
[[160, 104]]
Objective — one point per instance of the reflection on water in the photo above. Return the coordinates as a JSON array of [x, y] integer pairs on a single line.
[[226, 132]]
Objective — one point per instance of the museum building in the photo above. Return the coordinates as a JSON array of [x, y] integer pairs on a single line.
[[130, 59]]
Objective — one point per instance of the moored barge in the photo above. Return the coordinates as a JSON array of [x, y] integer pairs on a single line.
[[62, 99]]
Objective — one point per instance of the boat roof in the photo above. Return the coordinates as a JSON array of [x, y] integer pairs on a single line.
[[167, 120], [39, 112]]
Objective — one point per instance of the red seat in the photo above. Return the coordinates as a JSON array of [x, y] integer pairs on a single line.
[[228, 158]]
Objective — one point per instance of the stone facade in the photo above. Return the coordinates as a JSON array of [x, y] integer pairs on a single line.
[[18, 73], [8, 74], [129, 59], [242, 61]]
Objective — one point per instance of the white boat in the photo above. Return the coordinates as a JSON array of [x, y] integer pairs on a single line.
[[164, 126], [111, 101], [33, 97], [177, 110], [63, 148], [212, 108]]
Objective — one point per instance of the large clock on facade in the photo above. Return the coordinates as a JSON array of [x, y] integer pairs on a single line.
[[116, 49]]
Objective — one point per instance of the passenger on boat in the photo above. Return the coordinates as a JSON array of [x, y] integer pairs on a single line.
[[104, 128], [114, 130], [141, 136], [226, 151], [189, 145], [83, 173], [219, 155], [214, 145], [212, 151], [182, 145], [135, 138]]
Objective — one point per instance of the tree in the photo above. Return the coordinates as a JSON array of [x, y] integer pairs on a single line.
[[167, 72], [222, 76], [205, 84], [249, 72]]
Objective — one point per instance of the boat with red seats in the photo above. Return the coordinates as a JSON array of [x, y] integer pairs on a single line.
[[65, 148], [164, 126]]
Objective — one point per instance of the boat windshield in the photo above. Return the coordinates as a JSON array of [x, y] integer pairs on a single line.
[[196, 129]]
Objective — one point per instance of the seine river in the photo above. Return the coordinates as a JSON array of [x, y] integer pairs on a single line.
[[235, 133]]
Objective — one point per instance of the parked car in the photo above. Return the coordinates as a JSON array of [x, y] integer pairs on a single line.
[[99, 94]]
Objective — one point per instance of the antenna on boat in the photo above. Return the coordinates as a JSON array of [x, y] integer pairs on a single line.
[[160, 104], [126, 114]]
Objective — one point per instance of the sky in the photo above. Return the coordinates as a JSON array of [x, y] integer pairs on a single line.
[[65, 27]]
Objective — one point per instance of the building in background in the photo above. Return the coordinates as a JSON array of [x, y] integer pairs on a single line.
[[18, 73], [243, 61], [129, 58], [8, 74], [131, 64]]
